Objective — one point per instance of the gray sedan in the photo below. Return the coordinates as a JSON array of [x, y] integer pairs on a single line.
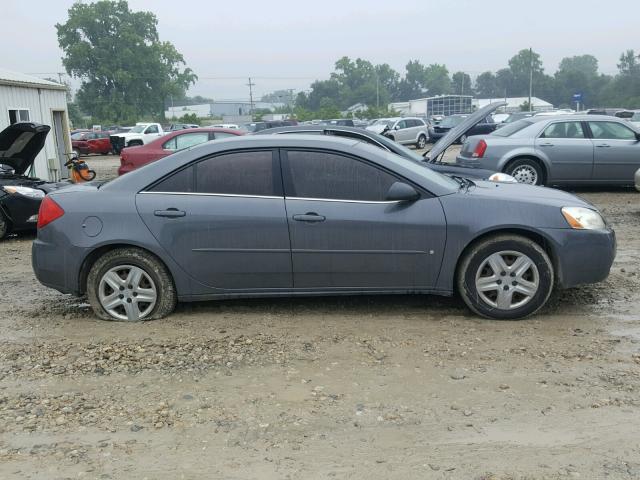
[[280, 215], [554, 150]]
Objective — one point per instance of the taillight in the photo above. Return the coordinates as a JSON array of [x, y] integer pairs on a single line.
[[49, 211], [481, 147]]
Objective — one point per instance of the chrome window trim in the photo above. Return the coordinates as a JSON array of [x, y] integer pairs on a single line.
[[199, 194], [340, 200], [236, 195]]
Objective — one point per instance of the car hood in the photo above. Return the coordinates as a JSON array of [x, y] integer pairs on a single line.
[[20, 143], [462, 128], [523, 192], [376, 128]]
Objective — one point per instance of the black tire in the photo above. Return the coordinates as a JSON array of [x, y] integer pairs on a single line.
[[523, 165], [5, 226], [422, 142], [475, 258], [154, 268]]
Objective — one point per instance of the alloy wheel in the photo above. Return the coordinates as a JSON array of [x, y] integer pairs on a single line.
[[127, 292], [525, 174], [507, 280]]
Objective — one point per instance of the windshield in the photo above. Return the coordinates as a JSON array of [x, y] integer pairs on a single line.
[[512, 128], [138, 129], [451, 122]]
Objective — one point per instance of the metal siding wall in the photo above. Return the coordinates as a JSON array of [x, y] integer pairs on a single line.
[[39, 106]]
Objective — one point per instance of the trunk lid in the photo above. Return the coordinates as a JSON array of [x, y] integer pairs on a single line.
[[456, 132]]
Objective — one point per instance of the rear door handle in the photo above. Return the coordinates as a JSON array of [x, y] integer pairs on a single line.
[[169, 213], [309, 217], [546, 144], [603, 145]]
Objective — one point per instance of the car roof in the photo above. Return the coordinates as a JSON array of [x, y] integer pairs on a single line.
[[142, 177], [574, 117]]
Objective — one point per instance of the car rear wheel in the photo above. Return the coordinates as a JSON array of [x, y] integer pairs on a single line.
[[130, 285], [422, 142], [506, 277], [526, 171], [4, 225]]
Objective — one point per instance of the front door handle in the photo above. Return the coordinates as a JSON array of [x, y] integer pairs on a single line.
[[309, 217], [169, 213], [546, 144], [603, 145]]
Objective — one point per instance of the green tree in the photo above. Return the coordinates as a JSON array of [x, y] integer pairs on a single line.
[[577, 74], [461, 84], [126, 71], [487, 86], [436, 80], [413, 84]]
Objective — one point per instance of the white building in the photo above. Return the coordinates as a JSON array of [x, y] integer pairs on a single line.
[[438, 105], [514, 103], [24, 98]]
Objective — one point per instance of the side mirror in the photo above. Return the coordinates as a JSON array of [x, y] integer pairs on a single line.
[[401, 192], [397, 127]]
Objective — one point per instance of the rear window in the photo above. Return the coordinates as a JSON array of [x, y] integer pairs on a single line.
[[512, 128]]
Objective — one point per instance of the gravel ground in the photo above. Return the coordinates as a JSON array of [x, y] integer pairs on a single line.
[[370, 387]]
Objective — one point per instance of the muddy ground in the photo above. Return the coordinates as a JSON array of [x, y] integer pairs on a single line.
[[373, 387]]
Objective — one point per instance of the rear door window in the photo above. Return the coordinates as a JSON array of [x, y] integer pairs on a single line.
[[564, 130], [611, 131], [250, 173], [328, 175]]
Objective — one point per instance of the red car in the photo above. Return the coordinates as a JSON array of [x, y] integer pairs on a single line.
[[135, 157], [84, 143]]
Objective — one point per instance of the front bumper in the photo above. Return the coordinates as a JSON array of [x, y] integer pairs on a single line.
[[581, 256]]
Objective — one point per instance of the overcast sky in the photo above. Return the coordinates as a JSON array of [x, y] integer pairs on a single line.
[[289, 43]]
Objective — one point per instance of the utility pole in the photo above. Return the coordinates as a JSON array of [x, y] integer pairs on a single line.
[[250, 85], [291, 101], [530, 77], [377, 91]]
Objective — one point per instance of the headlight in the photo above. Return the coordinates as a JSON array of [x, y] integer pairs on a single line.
[[583, 218], [26, 191], [502, 177]]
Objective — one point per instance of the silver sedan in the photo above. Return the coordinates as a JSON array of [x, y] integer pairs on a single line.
[[566, 149]]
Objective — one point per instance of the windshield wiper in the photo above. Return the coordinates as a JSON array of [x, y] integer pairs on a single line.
[[464, 182]]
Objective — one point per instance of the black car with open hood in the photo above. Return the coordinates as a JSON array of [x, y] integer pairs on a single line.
[[20, 194]]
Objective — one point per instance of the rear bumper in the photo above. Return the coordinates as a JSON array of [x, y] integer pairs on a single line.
[[582, 256], [57, 266]]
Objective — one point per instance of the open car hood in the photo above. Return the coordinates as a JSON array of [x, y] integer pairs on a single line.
[[456, 132], [20, 143]]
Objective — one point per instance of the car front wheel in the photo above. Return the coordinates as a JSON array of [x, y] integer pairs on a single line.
[[422, 142], [129, 285], [506, 277]]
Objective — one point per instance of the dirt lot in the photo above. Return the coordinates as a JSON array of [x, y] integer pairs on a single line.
[[372, 387]]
